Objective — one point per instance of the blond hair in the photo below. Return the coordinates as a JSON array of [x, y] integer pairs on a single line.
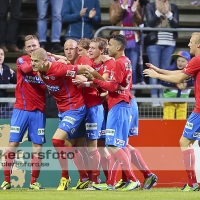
[[30, 37], [197, 37], [103, 43], [84, 43]]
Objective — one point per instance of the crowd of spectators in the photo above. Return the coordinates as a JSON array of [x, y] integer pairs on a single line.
[[79, 20]]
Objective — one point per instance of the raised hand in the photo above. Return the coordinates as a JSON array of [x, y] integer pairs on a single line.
[[83, 11], [92, 13], [152, 67], [150, 73]]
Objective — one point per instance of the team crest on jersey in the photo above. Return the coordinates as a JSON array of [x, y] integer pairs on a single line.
[[20, 61], [70, 73], [128, 66], [45, 77], [52, 78]]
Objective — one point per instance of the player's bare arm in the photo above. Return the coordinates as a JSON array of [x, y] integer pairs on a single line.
[[173, 78], [82, 69], [57, 57], [162, 71], [107, 85]]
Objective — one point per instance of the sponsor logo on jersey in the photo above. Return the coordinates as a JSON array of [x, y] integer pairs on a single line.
[[189, 125], [69, 119], [41, 131], [110, 132], [70, 73], [15, 129], [91, 126], [53, 88], [119, 142], [33, 79]]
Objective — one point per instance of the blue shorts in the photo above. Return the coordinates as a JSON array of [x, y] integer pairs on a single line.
[[134, 118], [33, 121], [118, 125], [102, 134], [192, 127], [94, 122], [70, 120]]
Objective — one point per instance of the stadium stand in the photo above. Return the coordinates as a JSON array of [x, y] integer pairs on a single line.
[[28, 23]]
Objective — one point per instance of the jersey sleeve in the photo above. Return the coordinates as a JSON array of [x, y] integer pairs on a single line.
[[119, 72], [193, 67], [108, 66], [85, 61], [23, 65], [65, 70]]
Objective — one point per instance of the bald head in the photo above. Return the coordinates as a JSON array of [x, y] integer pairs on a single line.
[[39, 60], [71, 43], [71, 50], [40, 53]]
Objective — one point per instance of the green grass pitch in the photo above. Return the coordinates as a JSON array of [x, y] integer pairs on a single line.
[[53, 194]]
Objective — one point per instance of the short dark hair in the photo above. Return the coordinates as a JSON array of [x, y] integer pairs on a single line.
[[119, 38]]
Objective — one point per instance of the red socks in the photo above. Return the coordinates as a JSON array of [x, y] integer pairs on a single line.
[[124, 161], [137, 160], [35, 164], [79, 163], [62, 150], [9, 162], [94, 162], [189, 162], [113, 170]]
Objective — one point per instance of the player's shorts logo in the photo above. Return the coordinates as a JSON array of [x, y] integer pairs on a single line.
[[189, 125], [91, 126], [69, 119], [110, 132], [15, 129], [119, 142], [41, 131], [196, 134]]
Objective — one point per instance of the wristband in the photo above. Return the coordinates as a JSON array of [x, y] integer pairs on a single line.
[[87, 84]]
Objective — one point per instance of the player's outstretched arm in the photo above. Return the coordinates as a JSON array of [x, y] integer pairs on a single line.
[[110, 86], [84, 68], [174, 78], [162, 71]]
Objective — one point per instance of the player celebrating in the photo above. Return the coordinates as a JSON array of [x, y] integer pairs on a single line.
[[58, 79], [29, 105], [192, 127], [94, 109], [117, 127]]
